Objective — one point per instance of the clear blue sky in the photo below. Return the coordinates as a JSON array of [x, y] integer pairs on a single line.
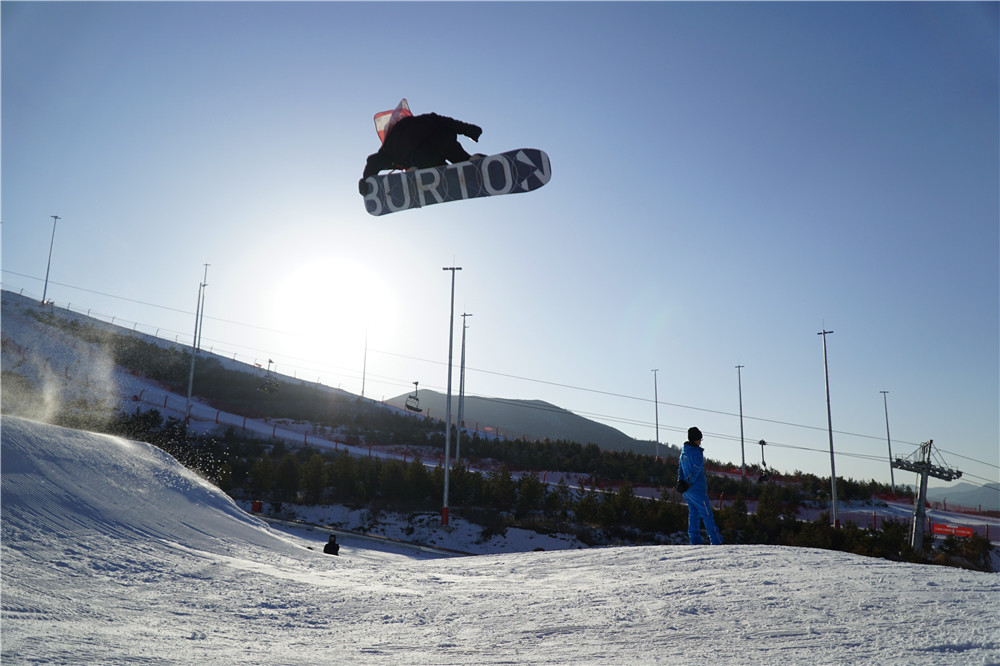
[[728, 180]]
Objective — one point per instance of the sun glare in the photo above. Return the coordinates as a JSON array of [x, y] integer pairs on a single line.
[[330, 307]]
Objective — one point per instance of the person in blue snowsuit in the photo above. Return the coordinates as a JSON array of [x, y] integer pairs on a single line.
[[692, 470]]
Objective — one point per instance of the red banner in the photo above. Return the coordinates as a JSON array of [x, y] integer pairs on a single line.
[[940, 528]]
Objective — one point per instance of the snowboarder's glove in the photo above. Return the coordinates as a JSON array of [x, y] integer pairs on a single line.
[[473, 132]]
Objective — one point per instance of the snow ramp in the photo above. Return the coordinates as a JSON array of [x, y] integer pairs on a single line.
[[63, 486], [113, 553]]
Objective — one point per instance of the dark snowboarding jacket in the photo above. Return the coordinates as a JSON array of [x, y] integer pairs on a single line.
[[423, 141]]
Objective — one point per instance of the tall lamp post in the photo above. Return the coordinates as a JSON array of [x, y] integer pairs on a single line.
[[829, 419], [743, 464], [45, 289], [364, 365], [199, 313], [892, 477], [656, 406], [447, 411], [461, 394]]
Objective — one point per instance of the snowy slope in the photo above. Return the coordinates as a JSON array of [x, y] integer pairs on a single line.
[[112, 552]]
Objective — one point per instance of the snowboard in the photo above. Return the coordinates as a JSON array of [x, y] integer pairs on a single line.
[[512, 172]]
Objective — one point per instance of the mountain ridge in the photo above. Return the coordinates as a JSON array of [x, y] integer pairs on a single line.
[[967, 494], [532, 420]]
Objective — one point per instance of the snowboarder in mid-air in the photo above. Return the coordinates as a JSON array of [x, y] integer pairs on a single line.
[[410, 141]]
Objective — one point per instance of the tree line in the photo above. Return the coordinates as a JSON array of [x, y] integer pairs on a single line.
[[249, 467]]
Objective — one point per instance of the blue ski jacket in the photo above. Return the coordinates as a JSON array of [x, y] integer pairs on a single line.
[[692, 467]]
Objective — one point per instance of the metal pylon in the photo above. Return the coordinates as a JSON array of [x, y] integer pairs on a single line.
[[925, 468]]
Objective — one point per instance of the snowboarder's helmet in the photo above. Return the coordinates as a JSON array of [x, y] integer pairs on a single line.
[[694, 435], [385, 120]]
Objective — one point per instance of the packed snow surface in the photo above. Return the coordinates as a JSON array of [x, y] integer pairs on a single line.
[[113, 552]]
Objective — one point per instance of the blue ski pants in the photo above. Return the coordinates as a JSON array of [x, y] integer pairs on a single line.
[[700, 511]]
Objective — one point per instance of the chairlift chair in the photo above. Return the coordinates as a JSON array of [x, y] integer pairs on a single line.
[[413, 402], [270, 382], [765, 474]]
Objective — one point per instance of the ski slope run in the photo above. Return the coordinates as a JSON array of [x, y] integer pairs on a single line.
[[113, 552]]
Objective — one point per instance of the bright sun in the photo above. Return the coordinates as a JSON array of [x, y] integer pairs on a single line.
[[330, 307]]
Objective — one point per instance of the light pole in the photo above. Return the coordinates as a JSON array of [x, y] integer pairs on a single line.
[[196, 344], [892, 477], [461, 394], [656, 406], [364, 365], [829, 419], [45, 289], [743, 464], [447, 410]]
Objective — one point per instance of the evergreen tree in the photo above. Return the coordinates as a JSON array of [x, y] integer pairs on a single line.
[[313, 480], [262, 476], [530, 495], [418, 482], [341, 477], [587, 507], [499, 491], [732, 521], [286, 477], [558, 501]]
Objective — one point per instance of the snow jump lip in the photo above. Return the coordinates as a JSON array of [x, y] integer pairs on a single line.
[[511, 172]]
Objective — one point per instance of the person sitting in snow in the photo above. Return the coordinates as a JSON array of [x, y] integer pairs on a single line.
[[692, 470], [332, 547], [410, 141]]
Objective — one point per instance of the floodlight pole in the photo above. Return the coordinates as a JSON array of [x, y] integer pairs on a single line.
[[45, 289], [656, 407], [364, 365], [743, 464], [447, 410], [892, 477], [196, 345], [461, 394], [829, 419]]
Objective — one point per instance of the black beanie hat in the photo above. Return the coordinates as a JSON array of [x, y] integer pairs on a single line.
[[694, 435]]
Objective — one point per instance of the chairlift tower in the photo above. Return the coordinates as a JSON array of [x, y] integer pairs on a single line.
[[925, 468]]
